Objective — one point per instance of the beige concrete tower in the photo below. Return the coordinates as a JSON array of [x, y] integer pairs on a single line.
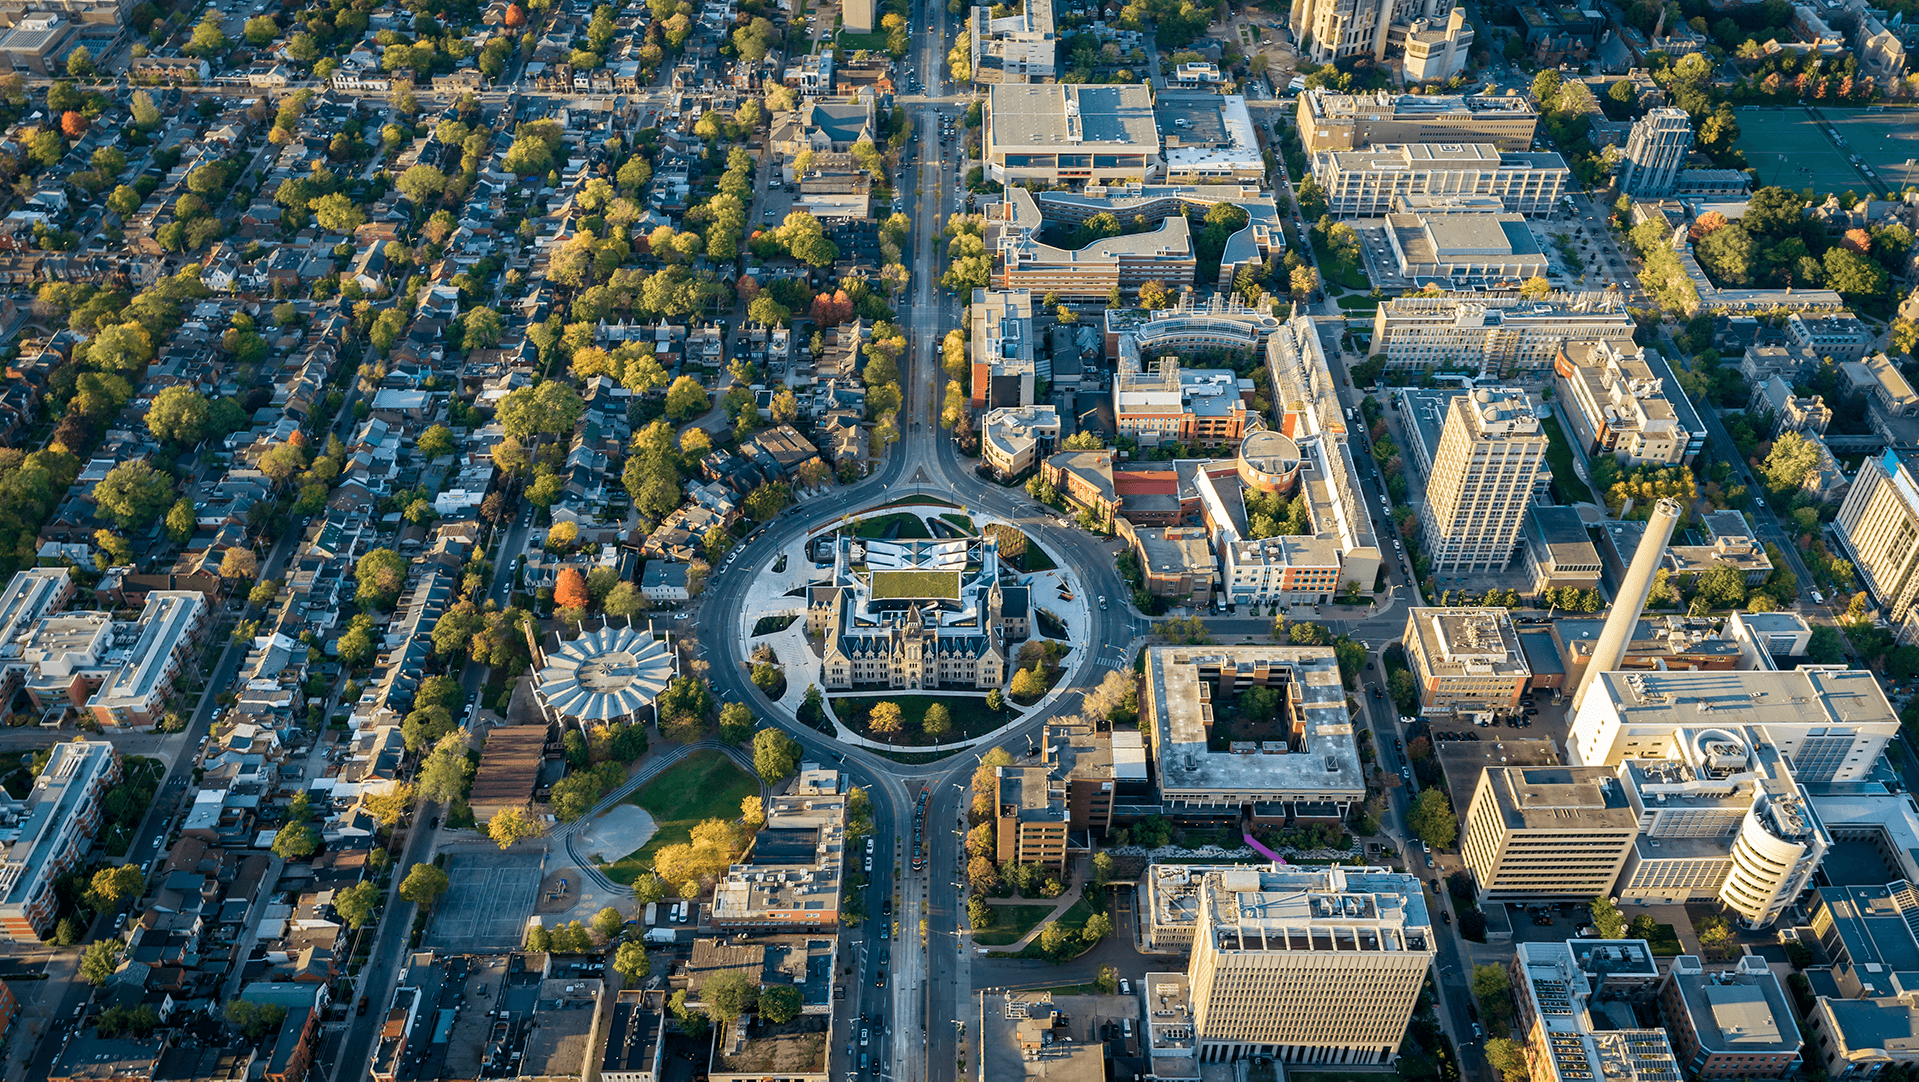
[[1490, 451], [1319, 965]]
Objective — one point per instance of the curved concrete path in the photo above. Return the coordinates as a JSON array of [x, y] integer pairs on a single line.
[[569, 834]]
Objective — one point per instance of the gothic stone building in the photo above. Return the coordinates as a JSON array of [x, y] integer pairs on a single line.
[[917, 642]]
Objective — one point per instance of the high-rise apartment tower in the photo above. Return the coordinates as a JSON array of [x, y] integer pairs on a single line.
[[1655, 153], [1490, 451]]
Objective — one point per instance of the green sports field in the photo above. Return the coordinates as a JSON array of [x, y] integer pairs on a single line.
[[1796, 147]]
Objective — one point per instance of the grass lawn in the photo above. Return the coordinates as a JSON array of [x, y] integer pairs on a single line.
[[888, 584], [768, 625], [1035, 558], [1665, 941], [1072, 920], [962, 523], [1356, 302], [1010, 922], [1337, 273], [1559, 454], [970, 718], [910, 526], [704, 785], [873, 42]]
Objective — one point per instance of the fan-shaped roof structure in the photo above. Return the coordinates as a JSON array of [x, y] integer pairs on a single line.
[[605, 675]]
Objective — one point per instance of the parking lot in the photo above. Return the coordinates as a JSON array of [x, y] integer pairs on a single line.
[[486, 910]]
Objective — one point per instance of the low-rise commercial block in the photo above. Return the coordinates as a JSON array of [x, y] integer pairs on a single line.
[[1466, 660]]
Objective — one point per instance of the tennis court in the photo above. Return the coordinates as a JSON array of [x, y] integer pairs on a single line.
[[1791, 147]]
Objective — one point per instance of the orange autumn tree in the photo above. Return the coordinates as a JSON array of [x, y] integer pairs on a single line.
[[515, 17], [569, 590], [74, 124]]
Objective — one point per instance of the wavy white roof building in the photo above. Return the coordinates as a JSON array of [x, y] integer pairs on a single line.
[[605, 675]]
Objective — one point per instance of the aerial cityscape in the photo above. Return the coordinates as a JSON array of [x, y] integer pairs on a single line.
[[890, 541]]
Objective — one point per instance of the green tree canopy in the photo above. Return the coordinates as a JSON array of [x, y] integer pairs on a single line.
[[1607, 920], [132, 493], [424, 884], [380, 574], [729, 994], [775, 755], [1431, 819], [179, 415]]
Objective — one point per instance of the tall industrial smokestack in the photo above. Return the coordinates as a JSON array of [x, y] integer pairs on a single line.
[[1631, 598]]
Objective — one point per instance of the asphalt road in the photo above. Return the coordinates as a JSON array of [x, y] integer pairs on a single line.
[[927, 989]]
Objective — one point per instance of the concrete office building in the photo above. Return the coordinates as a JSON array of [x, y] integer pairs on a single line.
[[1069, 792], [1867, 935], [1436, 49], [1618, 406], [1016, 439], [1558, 552], [1843, 337], [1065, 133], [1308, 966], [1879, 526], [1491, 449], [46, 835], [1465, 248], [1208, 138], [1862, 1038], [1554, 992], [1367, 183], [1177, 562], [1018, 48], [1029, 822], [1465, 660], [1831, 725], [1170, 404], [1767, 638], [1329, 30], [1501, 333], [1001, 348], [1655, 153], [1720, 817], [1733, 1023], [1164, 254], [34, 42], [1169, 911], [1306, 758], [1222, 323], [1307, 456], [1088, 770], [1730, 541], [1542, 833], [1330, 121]]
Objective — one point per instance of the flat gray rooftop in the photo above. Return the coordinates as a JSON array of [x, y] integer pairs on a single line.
[[1037, 116], [1327, 768]]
